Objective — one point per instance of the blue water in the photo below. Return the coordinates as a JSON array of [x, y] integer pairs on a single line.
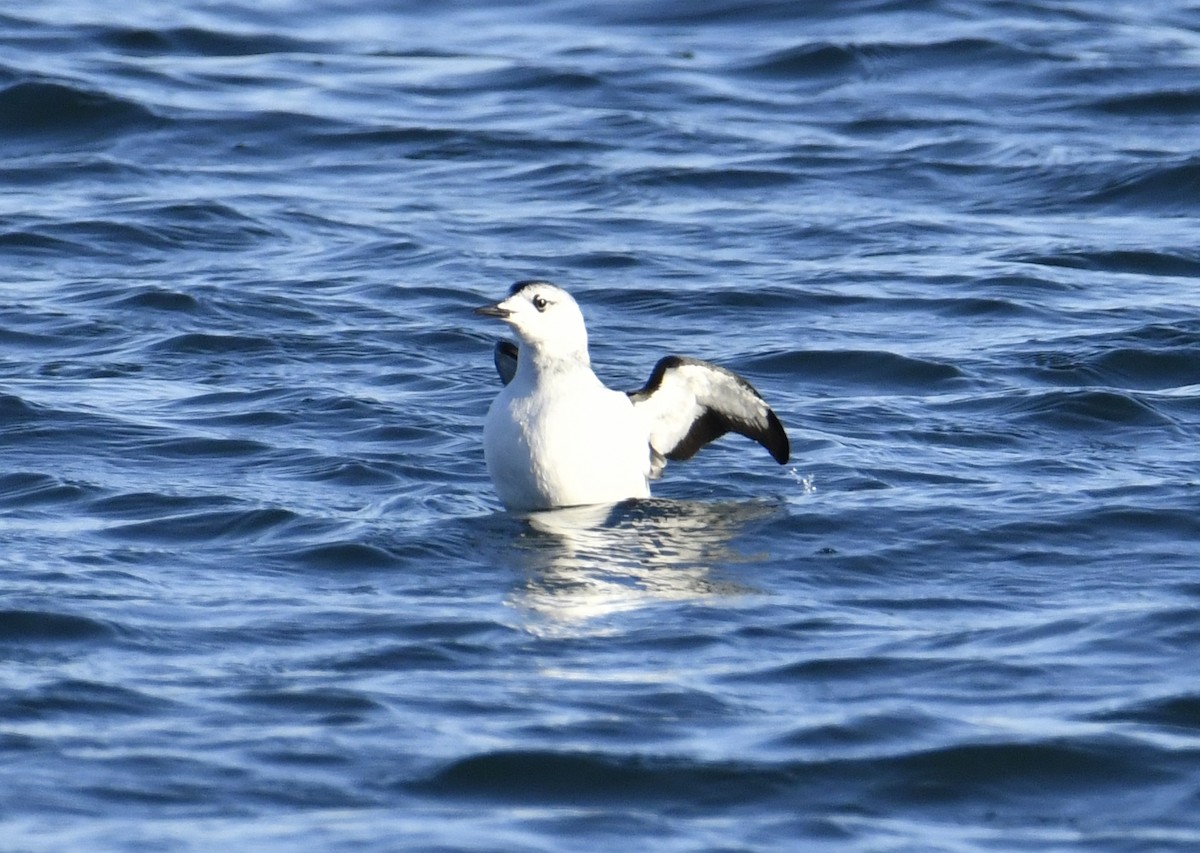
[[256, 591]]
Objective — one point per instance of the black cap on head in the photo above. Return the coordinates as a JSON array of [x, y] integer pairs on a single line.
[[529, 282]]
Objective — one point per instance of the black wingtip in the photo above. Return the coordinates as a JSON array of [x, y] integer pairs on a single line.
[[776, 440]]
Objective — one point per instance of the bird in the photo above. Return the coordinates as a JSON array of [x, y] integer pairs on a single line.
[[555, 436]]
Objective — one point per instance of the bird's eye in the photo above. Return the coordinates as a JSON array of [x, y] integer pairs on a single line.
[[540, 303]]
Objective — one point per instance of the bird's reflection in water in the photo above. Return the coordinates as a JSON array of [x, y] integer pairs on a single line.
[[586, 562]]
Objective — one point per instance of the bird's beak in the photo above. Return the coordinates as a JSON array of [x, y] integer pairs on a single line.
[[493, 311]]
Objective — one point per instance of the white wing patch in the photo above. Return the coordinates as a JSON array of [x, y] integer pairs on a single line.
[[689, 403]]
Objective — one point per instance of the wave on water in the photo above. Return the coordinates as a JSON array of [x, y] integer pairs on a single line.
[[34, 110], [29, 626], [1010, 777], [199, 41], [257, 588]]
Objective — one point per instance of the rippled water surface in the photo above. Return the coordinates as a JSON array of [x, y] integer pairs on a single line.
[[255, 588]]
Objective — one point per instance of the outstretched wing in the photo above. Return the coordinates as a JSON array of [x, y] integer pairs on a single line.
[[505, 356], [690, 403]]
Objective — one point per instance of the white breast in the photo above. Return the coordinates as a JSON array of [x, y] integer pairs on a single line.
[[566, 443]]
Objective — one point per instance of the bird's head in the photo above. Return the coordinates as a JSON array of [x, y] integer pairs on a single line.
[[546, 319]]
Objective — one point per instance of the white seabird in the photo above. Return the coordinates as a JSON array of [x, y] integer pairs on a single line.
[[555, 436]]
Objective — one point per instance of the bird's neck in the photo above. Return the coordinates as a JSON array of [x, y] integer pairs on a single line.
[[534, 365]]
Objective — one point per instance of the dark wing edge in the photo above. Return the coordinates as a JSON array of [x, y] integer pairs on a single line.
[[776, 440], [713, 424], [706, 429], [712, 419], [505, 357]]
